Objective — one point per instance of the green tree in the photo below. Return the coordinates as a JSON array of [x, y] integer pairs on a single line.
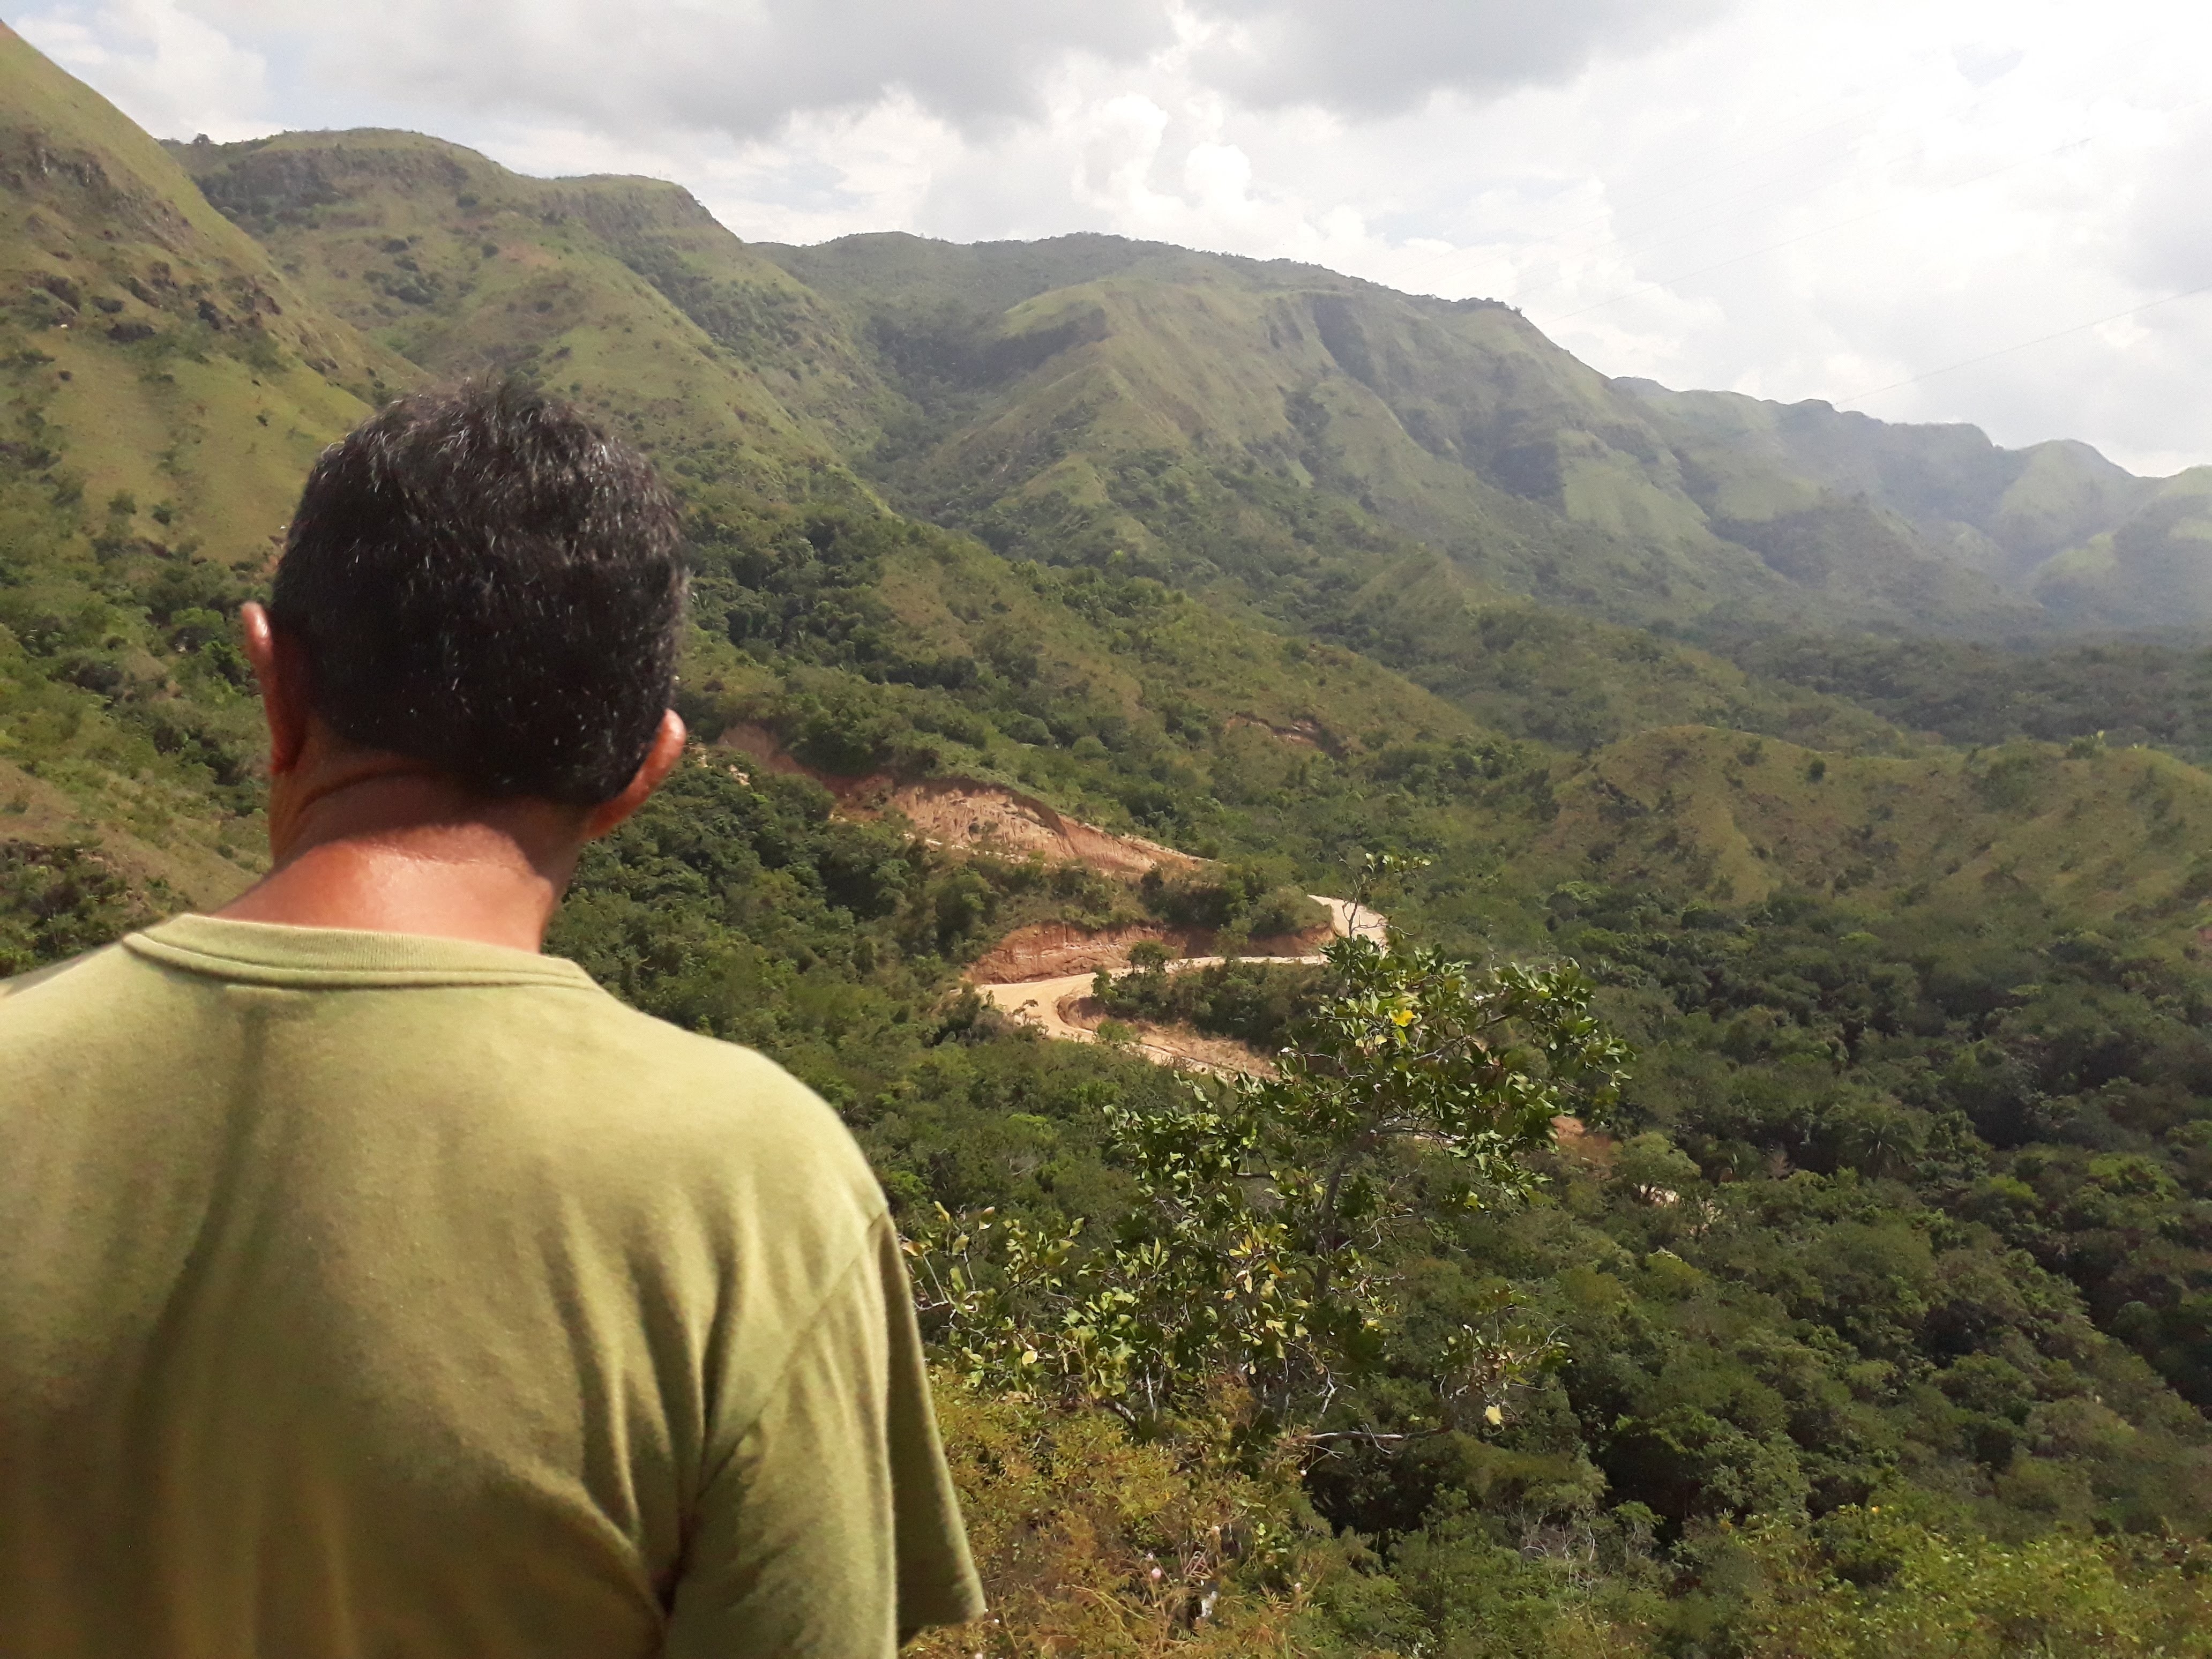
[[1251, 1283]]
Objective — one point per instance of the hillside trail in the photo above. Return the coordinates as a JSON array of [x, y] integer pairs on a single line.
[[1059, 1006]]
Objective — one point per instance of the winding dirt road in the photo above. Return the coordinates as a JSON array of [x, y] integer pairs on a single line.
[[1046, 1003]]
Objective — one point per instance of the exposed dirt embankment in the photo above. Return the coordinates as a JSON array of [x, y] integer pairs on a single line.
[[989, 817], [1299, 734], [965, 814], [1169, 1045], [1064, 1008], [1040, 974], [761, 748], [1058, 1003], [1577, 1139]]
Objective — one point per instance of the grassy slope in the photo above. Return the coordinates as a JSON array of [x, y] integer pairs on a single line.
[[1040, 368], [2008, 509], [345, 210], [162, 387], [184, 366], [2149, 571], [622, 292], [674, 329], [2082, 837], [2093, 544], [1139, 708]]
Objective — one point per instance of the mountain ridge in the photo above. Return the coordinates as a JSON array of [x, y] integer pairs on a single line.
[[1005, 387], [1629, 466], [1889, 1304]]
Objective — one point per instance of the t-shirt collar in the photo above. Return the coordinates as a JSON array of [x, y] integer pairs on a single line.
[[265, 953]]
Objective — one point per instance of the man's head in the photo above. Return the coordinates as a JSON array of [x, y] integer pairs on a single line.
[[483, 582]]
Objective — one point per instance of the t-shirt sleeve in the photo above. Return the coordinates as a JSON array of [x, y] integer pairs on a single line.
[[832, 1530]]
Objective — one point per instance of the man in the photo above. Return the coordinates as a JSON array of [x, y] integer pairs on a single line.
[[373, 1284]]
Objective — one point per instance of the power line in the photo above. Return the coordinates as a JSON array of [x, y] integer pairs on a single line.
[[2022, 345]]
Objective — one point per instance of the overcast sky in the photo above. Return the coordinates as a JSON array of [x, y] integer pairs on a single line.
[[1991, 211]]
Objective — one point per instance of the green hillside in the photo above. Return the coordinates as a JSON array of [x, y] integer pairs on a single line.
[[2004, 510], [1073, 397], [1884, 1303], [625, 294], [2153, 570], [1040, 373], [622, 292], [2120, 691], [2056, 523], [172, 347], [166, 385]]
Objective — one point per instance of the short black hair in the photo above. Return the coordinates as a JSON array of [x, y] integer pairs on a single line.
[[482, 580]]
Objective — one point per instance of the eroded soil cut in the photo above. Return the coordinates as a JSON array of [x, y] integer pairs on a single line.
[[967, 815]]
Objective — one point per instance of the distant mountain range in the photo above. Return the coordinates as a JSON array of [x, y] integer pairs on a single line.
[[1506, 536], [1072, 399]]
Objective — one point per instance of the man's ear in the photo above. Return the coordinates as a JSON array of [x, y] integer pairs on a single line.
[[664, 757], [281, 672]]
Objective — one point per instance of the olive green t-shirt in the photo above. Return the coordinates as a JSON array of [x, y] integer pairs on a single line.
[[364, 1294]]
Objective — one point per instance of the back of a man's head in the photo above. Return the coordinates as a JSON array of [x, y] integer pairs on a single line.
[[482, 580]]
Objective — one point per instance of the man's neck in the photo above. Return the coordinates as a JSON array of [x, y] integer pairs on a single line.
[[403, 854]]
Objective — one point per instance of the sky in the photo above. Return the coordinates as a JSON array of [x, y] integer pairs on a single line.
[[1984, 210]]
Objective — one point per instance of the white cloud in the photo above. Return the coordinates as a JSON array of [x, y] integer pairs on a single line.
[[1378, 57], [172, 70], [1791, 200]]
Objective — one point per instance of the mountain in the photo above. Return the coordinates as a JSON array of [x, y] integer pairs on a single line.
[[1093, 393], [149, 332], [2056, 522], [1884, 1307], [165, 386], [625, 292]]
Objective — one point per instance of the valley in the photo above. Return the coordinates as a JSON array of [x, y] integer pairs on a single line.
[[1059, 605]]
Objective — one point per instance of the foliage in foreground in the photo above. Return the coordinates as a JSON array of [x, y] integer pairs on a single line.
[[1895, 1210], [1093, 1543], [1269, 1207]]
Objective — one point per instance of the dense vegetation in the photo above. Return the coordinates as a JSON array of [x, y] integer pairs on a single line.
[[2125, 691], [1830, 1299], [1877, 1316]]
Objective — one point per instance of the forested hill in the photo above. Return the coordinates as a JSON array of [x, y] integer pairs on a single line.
[[1073, 398], [1113, 393], [1883, 1304]]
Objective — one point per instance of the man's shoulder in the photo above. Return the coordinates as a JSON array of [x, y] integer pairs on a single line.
[[700, 1113], [541, 1069], [690, 1073], [15, 989]]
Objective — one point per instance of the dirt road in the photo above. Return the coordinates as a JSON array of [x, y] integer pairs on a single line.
[[1045, 1003], [1350, 920]]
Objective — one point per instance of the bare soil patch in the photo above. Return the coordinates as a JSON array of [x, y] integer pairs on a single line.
[[989, 818], [762, 751], [967, 815], [1172, 1045], [1046, 950]]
